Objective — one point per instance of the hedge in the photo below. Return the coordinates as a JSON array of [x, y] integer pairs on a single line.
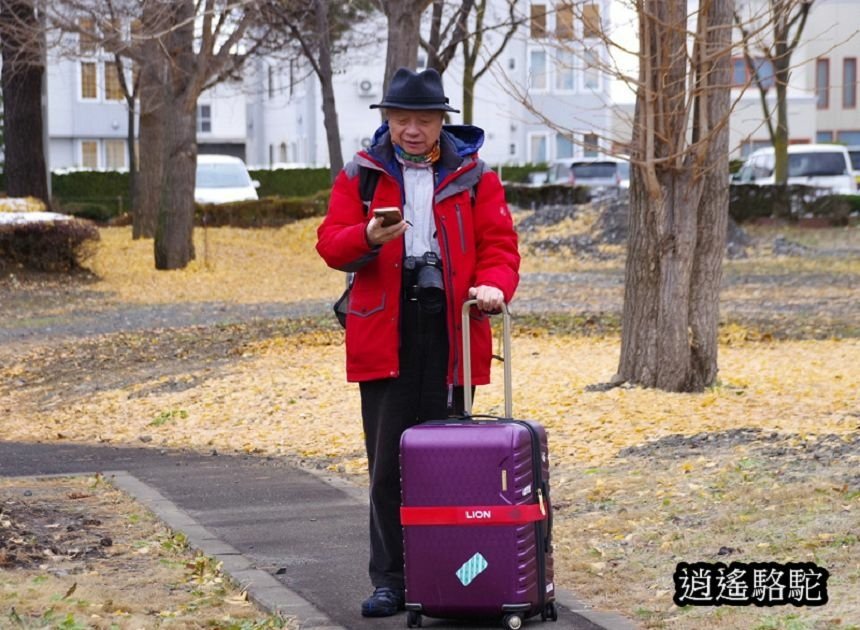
[[749, 201], [298, 182], [47, 245], [530, 197], [265, 212]]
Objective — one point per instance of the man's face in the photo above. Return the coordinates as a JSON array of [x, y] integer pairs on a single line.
[[415, 130]]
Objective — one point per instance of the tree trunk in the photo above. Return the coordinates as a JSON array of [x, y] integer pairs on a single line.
[[676, 235], [132, 159], [468, 90], [174, 247], [713, 209], [404, 27], [22, 101], [153, 93], [332, 128]]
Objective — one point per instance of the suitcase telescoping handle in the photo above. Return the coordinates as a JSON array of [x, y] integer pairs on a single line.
[[467, 358]]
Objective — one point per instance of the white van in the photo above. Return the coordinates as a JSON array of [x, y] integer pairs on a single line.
[[825, 166], [223, 178]]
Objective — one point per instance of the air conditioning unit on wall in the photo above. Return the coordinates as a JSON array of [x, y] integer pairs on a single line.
[[367, 87]]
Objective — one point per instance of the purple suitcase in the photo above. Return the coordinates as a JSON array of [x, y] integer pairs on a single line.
[[476, 515]]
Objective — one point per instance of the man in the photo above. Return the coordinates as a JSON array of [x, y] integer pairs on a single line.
[[455, 240]]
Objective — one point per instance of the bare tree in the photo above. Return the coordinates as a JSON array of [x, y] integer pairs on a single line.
[[318, 28], [474, 46], [466, 26], [769, 40], [404, 31], [22, 74], [186, 47], [678, 197]]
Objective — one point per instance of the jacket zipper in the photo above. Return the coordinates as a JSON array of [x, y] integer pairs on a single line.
[[460, 226]]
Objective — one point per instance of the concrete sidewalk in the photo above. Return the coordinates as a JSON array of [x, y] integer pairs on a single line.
[[297, 540]]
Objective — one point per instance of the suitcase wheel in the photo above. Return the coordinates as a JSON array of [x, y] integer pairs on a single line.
[[550, 612], [512, 622], [413, 619]]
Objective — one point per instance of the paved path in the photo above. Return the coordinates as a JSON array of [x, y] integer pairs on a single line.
[[298, 540]]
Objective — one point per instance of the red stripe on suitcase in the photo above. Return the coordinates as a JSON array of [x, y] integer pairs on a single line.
[[473, 515]]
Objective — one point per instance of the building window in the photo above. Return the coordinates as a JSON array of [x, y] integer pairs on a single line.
[[282, 152], [537, 70], [739, 72], [563, 146], [512, 63], [849, 83], [824, 137], [742, 77], [850, 138], [89, 84], [115, 152], [204, 118], [591, 75], [113, 88], [87, 36], [564, 72], [512, 148], [537, 148], [591, 21], [590, 145], [564, 21], [822, 83], [90, 154], [538, 21], [271, 82]]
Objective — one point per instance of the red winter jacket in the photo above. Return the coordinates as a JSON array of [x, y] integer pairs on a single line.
[[477, 241]]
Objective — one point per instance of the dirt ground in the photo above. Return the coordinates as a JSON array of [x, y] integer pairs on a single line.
[[762, 467], [76, 553]]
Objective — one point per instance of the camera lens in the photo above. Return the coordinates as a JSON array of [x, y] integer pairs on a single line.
[[431, 289]]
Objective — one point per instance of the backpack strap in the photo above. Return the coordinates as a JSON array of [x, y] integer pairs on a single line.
[[368, 178]]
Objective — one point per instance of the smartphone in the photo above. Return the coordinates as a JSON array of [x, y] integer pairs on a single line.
[[390, 216]]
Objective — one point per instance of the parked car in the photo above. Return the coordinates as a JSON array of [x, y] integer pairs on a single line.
[[223, 178], [854, 153], [596, 173], [825, 166]]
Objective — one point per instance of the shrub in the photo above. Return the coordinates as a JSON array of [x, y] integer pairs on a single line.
[[519, 174], [298, 182], [265, 212], [61, 245], [549, 195], [749, 201]]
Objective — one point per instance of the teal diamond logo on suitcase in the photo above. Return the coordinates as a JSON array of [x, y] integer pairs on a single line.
[[471, 569]]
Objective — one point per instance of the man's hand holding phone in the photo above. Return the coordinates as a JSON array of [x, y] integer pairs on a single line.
[[386, 225]]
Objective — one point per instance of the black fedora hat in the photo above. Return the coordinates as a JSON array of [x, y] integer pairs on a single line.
[[415, 90]]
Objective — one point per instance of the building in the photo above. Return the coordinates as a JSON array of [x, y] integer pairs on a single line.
[[553, 62], [554, 92], [88, 117]]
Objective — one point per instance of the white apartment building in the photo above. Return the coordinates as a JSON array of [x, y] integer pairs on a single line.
[[553, 61], [548, 95], [87, 121]]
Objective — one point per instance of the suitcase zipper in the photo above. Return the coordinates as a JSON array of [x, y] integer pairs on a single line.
[[540, 539]]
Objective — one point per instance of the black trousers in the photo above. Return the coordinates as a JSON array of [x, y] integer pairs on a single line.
[[389, 407]]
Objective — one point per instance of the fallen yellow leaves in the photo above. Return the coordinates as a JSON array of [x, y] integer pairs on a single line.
[[288, 395], [232, 265]]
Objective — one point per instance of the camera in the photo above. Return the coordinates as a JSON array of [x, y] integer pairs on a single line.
[[425, 275]]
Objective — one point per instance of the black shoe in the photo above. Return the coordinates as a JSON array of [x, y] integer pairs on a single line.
[[384, 602]]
